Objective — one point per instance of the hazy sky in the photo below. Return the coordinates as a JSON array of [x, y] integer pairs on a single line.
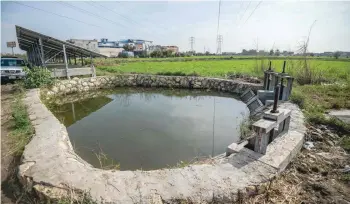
[[279, 24]]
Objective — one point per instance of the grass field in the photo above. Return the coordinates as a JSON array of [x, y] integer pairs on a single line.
[[330, 70], [113, 61]]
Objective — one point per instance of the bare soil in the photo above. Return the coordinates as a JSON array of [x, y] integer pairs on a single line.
[[318, 175], [8, 162]]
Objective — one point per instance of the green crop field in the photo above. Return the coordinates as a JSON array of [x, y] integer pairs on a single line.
[[331, 70]]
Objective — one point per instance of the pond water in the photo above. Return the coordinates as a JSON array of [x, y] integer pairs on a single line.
[[151, 128]]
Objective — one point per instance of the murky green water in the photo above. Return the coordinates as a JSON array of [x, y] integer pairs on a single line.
[[152, 128]]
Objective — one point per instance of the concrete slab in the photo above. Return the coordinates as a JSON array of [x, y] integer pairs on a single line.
[[234, 147], [265, 125], [343, 115], [280, 116]]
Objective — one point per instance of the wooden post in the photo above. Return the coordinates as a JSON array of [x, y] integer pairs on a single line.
[[42, 52], [65, 60]]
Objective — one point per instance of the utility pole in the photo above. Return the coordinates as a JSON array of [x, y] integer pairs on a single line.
[[204, 50], [192, 43], [219, 41]]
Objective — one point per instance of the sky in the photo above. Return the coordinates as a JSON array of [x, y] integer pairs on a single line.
[[243, 24]]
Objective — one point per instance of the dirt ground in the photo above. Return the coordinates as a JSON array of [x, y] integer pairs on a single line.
[[319, 174], [7, 161]]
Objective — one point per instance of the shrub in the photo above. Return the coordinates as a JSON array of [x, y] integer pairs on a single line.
[[37, 77], [298, 98]]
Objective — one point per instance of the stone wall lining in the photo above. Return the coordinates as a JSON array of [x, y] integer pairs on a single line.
[[105, 82]]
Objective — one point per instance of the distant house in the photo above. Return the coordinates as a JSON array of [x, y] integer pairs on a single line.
[[173, 48], [87, 44], [153, 48], [109, 48]]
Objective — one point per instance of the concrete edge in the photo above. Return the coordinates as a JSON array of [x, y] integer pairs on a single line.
[[35, 170]]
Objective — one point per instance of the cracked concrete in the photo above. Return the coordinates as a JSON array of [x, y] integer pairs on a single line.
[[50, 165]]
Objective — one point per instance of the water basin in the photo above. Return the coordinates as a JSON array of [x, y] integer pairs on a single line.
[[147, 129]]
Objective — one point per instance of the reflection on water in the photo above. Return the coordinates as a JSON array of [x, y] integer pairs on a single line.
[[152, 128]]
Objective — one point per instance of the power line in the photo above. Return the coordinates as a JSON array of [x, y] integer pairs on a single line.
[[218, 37], [57, 14], [245, 11], [90, 13], [217, 31], [123, 16], [253, 11], [92, 3]]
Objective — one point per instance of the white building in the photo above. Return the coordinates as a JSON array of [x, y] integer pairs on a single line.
[[87, 44]]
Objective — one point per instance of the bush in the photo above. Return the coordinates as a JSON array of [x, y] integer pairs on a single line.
[[298, 98], [37, 77]]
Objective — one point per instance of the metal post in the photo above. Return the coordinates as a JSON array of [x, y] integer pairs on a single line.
[[93, 73], [73, 111], [270, 69], [284, 67], [42, 56], [282, 85], [12, 51], [75, 60], [275, 101], [65, 60]]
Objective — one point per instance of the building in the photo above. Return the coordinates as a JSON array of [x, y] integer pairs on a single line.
[[87, 44], [173, 48], [110, 51], [110, 48], [153, 48], [139, 45], [113, 48], [110, 44]]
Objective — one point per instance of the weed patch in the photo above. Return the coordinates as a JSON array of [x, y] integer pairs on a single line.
[[37, 77], [23, 130]]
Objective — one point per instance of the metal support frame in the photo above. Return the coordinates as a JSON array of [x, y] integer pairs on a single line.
[[65, 60], [93, 71], [53, 56], [42, 56]]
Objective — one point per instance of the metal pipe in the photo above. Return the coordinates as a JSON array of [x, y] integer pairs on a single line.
[[275, 100], [282, 85], [270, 66]]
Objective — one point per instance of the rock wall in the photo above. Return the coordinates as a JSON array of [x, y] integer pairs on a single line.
[[105, 82]]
